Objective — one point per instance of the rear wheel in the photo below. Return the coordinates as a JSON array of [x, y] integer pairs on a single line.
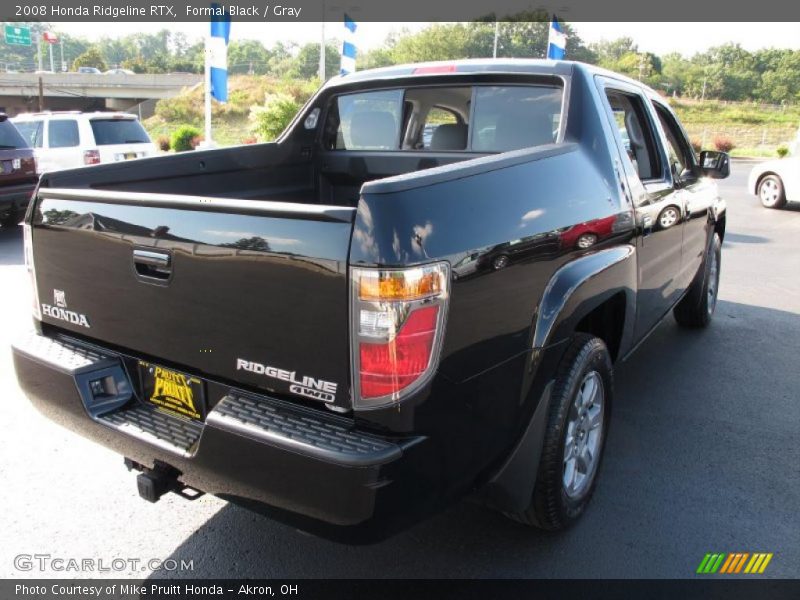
[[578, 419], [771, 192], [697, 307]]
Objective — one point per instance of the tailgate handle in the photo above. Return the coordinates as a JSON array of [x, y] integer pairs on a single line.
[[150, 264]]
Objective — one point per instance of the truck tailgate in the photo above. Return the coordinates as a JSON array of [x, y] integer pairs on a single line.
[[246, 291]]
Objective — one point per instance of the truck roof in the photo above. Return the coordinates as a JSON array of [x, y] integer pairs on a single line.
[[537, 66]]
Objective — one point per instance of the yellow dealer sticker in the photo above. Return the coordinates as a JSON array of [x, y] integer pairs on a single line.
[[172, 391]]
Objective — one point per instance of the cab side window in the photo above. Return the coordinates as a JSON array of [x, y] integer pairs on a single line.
[[635, 132], [679, 153], [62, 133]]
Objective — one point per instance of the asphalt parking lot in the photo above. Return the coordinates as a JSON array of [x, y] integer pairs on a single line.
[[703, 456]]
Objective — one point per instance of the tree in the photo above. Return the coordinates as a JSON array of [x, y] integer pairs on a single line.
[[248, 56], [90, 58], [267, 122], [306, 64], [610, 52]]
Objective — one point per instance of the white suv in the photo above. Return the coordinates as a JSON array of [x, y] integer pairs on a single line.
[[62, 140]]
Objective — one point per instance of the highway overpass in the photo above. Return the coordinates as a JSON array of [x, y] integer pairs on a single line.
[[19, 92]]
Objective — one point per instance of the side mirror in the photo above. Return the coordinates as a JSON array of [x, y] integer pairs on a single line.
[[716, 165]]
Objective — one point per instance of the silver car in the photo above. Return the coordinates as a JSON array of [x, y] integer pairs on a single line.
[[776, 182]]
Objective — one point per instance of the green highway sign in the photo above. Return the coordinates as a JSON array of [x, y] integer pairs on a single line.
[[21, 36]]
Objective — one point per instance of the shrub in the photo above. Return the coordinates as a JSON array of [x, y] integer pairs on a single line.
[[163, 143], [782, 151], [268, 121], [197, 140], [183, 137], [250, 139], [723, 143], [696, 146]]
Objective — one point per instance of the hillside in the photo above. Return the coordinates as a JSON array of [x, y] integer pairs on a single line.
[[755, 129]]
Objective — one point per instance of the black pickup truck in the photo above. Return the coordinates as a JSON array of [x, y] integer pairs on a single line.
[[416, 294]]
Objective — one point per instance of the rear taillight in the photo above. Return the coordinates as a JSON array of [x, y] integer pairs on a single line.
[[398, 320], [91, 157], [28, 251]]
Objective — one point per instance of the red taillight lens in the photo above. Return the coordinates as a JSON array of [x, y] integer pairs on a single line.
[[434, 69], [91, 157], [398, 324], [388, 368]]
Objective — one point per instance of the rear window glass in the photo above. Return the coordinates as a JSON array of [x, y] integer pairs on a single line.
[[118, 131], [31, 131], [437, 119], [10, 137], [510, 118], [62, 133], [369, 121]]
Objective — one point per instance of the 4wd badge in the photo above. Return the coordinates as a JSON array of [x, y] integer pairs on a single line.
[[58, 310]]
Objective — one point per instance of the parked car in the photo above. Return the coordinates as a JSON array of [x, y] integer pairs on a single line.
[[17, 174], [281, 324], [776, 182], [119, 72], [63, 140], [89, 71]]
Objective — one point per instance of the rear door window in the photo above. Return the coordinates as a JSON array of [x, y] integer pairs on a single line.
[[31, 131], [62, 133], [10, 137], [635, 132], [108, 132]]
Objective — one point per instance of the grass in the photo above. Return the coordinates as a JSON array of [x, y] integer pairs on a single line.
[[754, 152], [713, 112], [229, 121]]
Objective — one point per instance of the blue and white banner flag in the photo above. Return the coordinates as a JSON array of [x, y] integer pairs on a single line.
[[218, 53], [348, 64], [556, 41]]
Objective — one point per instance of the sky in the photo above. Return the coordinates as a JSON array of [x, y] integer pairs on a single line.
[[659, 38]]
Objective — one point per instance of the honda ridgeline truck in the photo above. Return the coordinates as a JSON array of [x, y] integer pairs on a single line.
[[416, 294]]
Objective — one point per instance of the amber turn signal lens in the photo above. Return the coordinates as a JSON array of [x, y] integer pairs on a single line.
[[415, 284]]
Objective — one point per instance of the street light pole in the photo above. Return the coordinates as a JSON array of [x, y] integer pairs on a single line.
[[496, 33], [322, 47]]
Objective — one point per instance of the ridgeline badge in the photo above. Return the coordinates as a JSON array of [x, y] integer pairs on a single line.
[[58, 310]]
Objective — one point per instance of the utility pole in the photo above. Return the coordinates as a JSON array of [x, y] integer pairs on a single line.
[[208, 142], [39, 50], [52, 64], [63, 64], [41, 94], [496, 33], [322, 49], [703, 95]]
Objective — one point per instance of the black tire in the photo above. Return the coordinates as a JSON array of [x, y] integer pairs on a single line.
[[500, 262], [771, 193], [696, 309], [552, 508]]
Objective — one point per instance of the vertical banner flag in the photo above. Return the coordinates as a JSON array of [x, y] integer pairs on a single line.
[[348, 47], [218, 53], [556, 41]]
